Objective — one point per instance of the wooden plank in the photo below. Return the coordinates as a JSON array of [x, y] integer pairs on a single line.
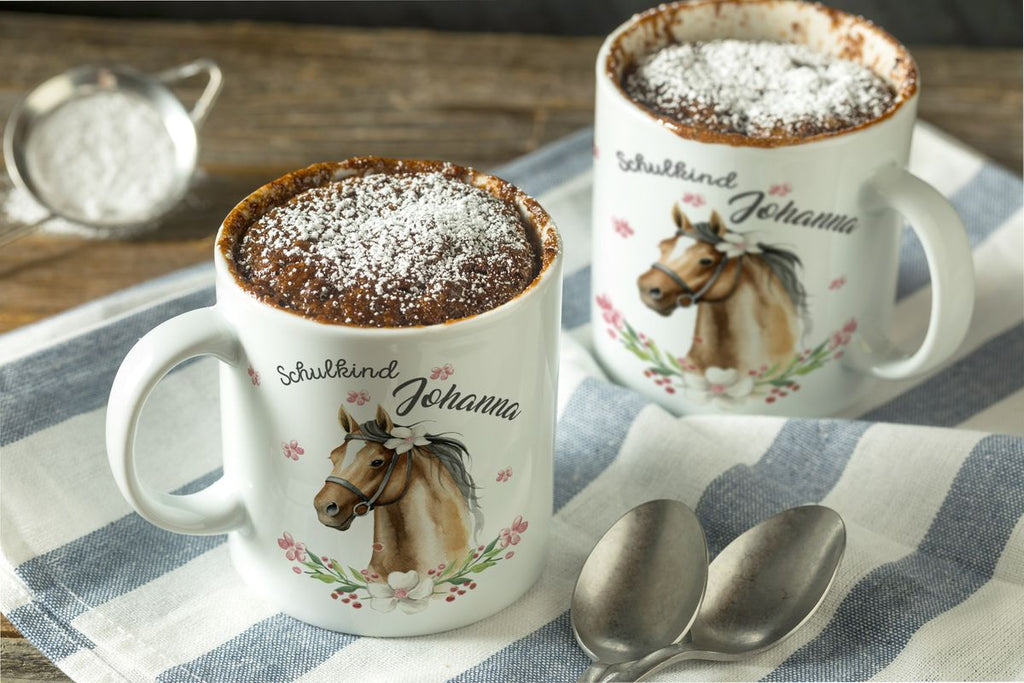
[[19, 661]]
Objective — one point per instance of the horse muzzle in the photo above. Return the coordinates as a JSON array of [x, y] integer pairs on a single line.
[[330, 514], [337, 522], [658, 302]]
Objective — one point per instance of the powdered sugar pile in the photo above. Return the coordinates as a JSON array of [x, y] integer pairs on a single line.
[[104, 157], [758, 89], [388, 250]]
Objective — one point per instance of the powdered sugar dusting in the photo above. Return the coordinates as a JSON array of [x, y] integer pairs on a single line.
[[758, 89], [103, 157], [389, 249]]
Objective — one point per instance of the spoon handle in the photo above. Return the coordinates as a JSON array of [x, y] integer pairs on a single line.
[[20, 231], [641, 668], [593, 674]]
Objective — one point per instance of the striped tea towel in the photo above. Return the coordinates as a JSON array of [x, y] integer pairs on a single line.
[[927, 474]]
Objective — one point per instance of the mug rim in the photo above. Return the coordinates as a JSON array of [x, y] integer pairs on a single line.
[[612, 57], [283, 188]]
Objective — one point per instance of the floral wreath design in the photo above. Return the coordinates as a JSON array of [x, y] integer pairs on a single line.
[[725, 388], [409, 591]]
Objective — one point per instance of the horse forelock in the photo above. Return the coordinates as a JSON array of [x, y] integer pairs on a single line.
[[705, 232]]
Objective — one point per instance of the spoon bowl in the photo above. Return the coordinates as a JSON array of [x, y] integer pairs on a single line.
[[642, 584], [769, 581]]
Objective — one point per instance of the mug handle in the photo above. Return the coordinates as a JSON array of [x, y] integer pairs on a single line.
[[950, 264], [215, 79], [216, 509]]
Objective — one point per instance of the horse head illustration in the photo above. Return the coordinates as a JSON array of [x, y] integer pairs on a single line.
[[685, 276], [750, 301], [422, 496]]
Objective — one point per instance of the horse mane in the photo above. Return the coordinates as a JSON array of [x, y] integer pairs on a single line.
[[782, 262], [448, 451]]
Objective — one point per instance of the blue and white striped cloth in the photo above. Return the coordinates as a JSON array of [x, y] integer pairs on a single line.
[[932, 585]]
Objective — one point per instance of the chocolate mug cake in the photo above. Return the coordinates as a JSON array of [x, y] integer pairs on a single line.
[[403, 244], [758, 89]]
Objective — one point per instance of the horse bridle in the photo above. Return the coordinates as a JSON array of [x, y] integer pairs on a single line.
[[368, 503], [697, 296]]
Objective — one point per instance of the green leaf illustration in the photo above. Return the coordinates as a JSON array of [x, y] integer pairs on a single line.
[[476, 569]]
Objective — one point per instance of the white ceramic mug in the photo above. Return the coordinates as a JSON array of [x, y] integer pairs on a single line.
[[381, 482], [736, 275]]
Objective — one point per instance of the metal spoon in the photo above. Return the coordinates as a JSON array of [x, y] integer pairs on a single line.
[[641, 586], [764, 586]]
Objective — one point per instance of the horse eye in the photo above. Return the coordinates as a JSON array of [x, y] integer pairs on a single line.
[[706, 261], [377, 463]]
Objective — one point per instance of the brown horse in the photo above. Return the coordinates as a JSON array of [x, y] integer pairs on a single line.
[[748, 296], [423, 498]]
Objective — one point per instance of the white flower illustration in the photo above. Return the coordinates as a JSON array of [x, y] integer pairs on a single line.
[[735, 244], [725, 388], [406, 589], [405, 438]]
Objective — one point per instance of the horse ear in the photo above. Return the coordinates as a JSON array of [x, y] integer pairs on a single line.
[[717, 224], [384, 420], [680, 219], [346, 421]]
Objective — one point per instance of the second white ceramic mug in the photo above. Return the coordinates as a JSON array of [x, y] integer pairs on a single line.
[[737, 275]]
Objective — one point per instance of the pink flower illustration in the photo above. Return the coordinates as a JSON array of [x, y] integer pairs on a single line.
[[510, 536], [443, 372], [504, 475], [844, 336], [780, 190], [292, 449], [254, 376], [837, 283], [621, 226], [294, 551], [358, 397], [611, 316], [694, 199]]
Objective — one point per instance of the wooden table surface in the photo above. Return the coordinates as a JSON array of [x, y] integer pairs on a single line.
[[294, 95]]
